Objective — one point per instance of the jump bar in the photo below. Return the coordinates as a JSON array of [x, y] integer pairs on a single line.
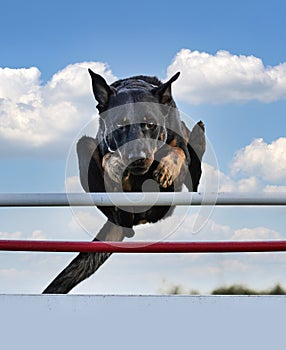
[[144, 247], [140, 199]]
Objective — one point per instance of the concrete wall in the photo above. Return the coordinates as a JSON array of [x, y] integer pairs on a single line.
[[142, 322]]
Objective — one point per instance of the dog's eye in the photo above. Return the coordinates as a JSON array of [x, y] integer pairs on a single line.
[[150, 125]]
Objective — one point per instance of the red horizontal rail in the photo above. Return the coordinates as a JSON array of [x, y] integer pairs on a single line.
[[144, 247]]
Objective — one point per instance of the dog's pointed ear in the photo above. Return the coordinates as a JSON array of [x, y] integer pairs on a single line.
[[164, 91], [101, 90]]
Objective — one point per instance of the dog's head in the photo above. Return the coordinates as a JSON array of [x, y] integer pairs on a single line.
[[133, 117]]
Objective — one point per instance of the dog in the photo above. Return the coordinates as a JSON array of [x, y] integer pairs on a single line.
[[141, 145]]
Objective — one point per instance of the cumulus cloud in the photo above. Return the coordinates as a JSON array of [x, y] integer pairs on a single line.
[[73, 184], [256, 233], [264, 160], [273, 188], [226, 183], [211, 231], [11, 235], [259, 166], [34, 235], [180, 227], [89, 219], [224, 77], [45, 117]]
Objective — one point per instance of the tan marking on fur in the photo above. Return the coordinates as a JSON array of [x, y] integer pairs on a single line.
[[173, 143], [113, 166], [170, 167], [151, 156], [126, 183], [180, 153], [105, 159], [162, 136]]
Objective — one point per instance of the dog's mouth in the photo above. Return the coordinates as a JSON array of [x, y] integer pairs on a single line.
[[140, 166]]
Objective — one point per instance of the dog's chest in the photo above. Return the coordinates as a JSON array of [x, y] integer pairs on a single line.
[[143, 183]]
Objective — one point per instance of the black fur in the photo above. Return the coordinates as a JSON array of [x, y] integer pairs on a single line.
[[140, 138]]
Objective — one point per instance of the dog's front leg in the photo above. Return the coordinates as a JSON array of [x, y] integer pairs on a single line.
[[170, 167], [113, 166]]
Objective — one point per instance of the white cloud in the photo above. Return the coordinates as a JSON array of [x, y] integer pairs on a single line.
[[257, 233], [11, 235], [181, 227], [249, 184], [45, 117], [36, 234], [273, 188], [224, 77], [259, 166], [30, 273], [228, 184], [266, 161], [19, 85], [89, 219], [73, 184]]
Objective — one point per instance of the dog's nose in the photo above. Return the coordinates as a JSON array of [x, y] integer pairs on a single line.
[[137, 162], [136, 157]]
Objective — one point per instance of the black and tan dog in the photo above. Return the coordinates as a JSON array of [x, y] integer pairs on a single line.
[[141, 145]]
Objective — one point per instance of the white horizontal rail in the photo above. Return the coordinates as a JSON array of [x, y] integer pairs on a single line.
[[140, 199]]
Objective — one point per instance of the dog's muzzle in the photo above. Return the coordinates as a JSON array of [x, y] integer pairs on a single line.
[[139, 164]]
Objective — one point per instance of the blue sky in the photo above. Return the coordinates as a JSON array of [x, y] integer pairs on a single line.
[[232, 59]]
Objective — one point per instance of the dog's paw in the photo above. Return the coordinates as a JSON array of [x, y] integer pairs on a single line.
[[163, 174], [170, 167]]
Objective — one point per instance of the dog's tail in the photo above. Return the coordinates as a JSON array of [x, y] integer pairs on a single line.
[[85, 264]]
